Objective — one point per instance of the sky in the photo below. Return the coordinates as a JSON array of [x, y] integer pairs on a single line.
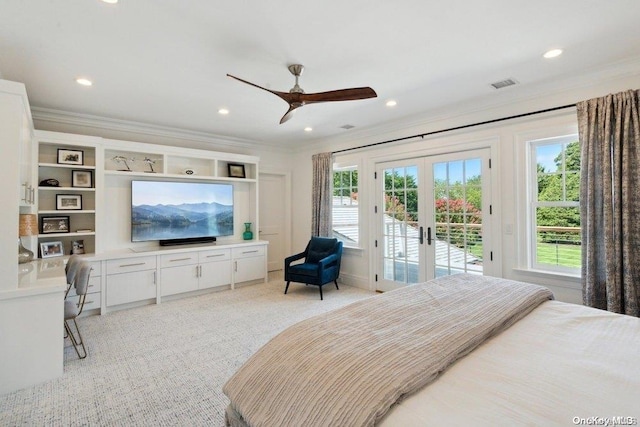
[[175, 193]]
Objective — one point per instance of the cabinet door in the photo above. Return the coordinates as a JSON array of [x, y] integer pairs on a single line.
[[246, 269], [175, 280], [214, 274], [130, 287]]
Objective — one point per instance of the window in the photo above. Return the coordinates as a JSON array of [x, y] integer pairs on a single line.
[[345, 205], [555, 234]]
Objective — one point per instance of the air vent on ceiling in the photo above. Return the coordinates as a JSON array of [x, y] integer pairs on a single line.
[[504, 83], [347, 127]]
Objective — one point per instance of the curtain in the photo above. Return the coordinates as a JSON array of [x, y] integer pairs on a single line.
[[609, 129], [321, 195]]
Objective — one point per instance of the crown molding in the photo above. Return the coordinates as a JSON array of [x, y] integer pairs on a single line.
[[105, 124]]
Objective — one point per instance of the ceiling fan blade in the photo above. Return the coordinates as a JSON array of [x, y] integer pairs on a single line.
[[289, 113], [284, 95], [352, 94]]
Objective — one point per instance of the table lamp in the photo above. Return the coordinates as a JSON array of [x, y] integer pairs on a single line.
[[28, 226]]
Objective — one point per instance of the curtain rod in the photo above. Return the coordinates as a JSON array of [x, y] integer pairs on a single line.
[[422, 135]]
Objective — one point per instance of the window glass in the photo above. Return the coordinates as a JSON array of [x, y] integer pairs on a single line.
[[555, 209], [345, 205]]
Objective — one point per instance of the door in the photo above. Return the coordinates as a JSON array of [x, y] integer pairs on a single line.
[[273, 218], [430, 217]]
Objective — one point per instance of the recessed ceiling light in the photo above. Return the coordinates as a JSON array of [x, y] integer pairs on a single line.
[[110, 1], [223, 111], [308, 129], [391, 103], [84, 82], [552, 53]]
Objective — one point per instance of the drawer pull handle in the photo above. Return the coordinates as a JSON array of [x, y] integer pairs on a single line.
[[132, 265], [179, 259], [213, 256], [249, 252]]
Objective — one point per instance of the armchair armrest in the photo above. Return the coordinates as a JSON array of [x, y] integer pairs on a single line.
[[326, 262], [288, 260]]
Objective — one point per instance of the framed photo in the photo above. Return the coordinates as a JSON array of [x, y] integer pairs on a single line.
[[82, 179], [77, 247], [236, 171], [54, 224], [68, 202], [51, 249], [70, 157]]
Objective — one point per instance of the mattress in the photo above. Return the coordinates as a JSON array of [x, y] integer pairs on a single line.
[[563, 364]]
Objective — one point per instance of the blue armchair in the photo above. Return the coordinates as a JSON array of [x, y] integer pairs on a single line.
[[321, 264]]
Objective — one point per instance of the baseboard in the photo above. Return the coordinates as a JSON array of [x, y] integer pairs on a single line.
[[356, 281]]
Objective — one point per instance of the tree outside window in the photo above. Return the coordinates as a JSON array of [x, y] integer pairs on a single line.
[[345, 215], [555, 204]]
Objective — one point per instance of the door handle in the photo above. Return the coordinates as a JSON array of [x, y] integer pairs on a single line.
[[421, 235], [428, 235]]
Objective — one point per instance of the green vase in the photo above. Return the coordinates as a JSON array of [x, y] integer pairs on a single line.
[[248, 234]]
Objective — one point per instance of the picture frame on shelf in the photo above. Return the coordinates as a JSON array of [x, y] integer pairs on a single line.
[[68, 202], [236, 170], [77, 247], [82, 179], [51, 249], [54, 224], [70, 157]]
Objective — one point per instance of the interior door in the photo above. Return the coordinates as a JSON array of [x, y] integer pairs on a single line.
[[431, 219], [272, 218]]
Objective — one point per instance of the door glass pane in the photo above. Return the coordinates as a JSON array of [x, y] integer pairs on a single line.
[[401, 231], [458, 216]]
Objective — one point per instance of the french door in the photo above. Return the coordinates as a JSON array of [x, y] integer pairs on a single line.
[[432, 217]]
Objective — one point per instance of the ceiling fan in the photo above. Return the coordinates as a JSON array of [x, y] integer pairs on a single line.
[[296, 97]]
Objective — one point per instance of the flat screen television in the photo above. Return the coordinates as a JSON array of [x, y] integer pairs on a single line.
[[180, 212]]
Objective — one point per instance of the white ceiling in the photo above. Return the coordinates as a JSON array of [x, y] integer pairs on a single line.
[[164, 62]]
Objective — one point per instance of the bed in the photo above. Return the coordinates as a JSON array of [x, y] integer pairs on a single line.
[[458, 350]]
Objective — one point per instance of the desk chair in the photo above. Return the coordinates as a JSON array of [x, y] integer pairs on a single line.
[[72, 310]]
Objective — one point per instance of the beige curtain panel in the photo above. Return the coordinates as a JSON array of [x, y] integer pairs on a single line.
[[321, 195], [609, 129]]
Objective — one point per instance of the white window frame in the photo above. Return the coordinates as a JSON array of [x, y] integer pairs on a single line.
[[533, 203]]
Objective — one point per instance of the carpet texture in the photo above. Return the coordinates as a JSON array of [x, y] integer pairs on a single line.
[[165, 365]]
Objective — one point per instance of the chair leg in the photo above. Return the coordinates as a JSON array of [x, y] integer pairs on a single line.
[[336, 282], [287, 287], [77, 342], [320, 292]]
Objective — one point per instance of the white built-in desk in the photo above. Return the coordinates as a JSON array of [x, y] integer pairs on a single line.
[[31, 326], [149, 275]]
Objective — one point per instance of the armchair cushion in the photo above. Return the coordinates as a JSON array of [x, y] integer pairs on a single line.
[[305, 269], [320, 248]]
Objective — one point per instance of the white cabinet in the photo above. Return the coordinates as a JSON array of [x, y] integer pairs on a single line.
[[215, 268], [249, 263], [94, 290], [185, 272], [179, 273], [130, 280]]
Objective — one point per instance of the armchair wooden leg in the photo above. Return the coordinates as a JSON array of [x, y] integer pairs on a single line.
[[287, 288], [336, 282], [320, 292]]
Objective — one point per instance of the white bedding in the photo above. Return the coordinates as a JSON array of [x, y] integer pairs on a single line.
[[561, 363]]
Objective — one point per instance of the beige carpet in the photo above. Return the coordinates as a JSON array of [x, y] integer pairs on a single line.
[[166, 364]]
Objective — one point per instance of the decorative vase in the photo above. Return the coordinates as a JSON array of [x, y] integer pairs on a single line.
[[248, 234], [24, 254]]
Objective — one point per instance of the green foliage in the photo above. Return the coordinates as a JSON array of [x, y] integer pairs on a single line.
[[401, 196]]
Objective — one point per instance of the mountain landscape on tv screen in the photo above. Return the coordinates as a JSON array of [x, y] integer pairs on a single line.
[[160, 222]]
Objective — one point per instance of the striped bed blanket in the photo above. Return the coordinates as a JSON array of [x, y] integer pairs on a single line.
[[349, 366]]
